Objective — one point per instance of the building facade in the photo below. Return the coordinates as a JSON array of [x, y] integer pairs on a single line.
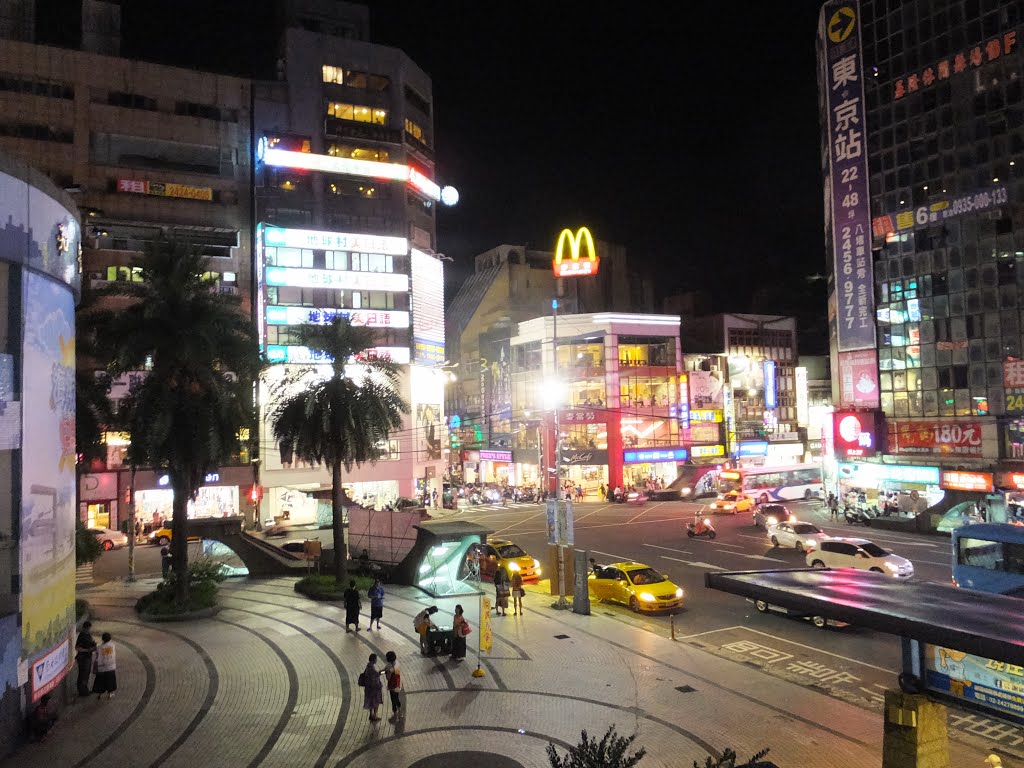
[[146, 151], [39, 287], [922, 150], [346, 205]]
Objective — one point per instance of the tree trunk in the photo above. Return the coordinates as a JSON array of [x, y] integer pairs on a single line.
[[179, 539], [338, 521]]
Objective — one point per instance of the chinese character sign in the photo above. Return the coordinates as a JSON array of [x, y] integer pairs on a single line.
[[843, 100]]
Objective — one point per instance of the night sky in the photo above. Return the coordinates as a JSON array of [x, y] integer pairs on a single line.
[[692, 141]]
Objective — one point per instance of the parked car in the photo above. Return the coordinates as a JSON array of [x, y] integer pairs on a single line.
[[634, 584], [819, 621], [109, 538], [861, 554], [162, 536], [767, 515], [803, 536], [732, 503]]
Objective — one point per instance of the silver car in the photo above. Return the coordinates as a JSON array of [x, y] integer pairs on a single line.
[[804, 536], [109, 539]]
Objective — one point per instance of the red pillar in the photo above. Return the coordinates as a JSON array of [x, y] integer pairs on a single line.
[[614, 448], [548, 465]]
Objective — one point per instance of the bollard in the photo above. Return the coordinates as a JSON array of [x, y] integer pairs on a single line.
[[672, 624]]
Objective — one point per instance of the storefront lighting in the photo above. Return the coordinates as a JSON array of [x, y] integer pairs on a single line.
[[995, 179]]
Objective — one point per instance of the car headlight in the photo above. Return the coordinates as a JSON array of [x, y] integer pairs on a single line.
[[513, 566], [679, 592], [727, 506], [771, 521], [812, 544], [647, 597], [536, 563], [684, 491]]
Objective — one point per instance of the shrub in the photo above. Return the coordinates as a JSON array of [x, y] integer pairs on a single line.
[[87, 546], [610, 752], [203, 576], [324, 587], [81, 608]]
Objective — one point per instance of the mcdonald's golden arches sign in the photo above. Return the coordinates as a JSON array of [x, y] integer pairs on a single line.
[[580, 244]]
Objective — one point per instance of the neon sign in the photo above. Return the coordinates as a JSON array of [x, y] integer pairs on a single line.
[[279, 353], [372, 318], [334, 241], [574, 267], [653, 455], [294, 277]]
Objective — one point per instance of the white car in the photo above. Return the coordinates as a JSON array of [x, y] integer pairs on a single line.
[[861, 554], [108, 538], [804, 536]]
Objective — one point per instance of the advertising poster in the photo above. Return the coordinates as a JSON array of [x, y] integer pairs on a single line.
[[936, 438], [846, 117], [746, 374], [705, 389], [427, 308], [858, 379], [496, 373], [428, 431], [48, 466], [995, 685]]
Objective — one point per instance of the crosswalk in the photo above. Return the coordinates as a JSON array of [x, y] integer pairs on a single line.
[[493, 506]]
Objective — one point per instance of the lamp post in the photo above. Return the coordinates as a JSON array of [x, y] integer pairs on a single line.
[[561, 603]]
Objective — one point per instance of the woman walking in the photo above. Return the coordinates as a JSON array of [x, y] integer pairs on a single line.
[[501, 591], [352, 605], [460, 630], [106, 669], [372, 694], [376, 595]]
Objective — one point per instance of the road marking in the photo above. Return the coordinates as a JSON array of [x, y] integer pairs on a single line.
[[719, 543], [758, 538], [756, 557], [819, 650], [668, 549], [645, 511], [615, 558], [710, 631], [694, 564]]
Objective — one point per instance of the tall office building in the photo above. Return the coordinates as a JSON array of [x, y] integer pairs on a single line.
[[345, 205], [922, 115]]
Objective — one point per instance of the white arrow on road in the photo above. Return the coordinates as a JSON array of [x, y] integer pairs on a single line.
[[753, 557]]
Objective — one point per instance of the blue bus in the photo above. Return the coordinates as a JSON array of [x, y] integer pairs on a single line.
[[989, 557]]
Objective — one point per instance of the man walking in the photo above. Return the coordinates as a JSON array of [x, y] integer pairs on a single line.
[[833, 506], [85, 650], [352, 605]]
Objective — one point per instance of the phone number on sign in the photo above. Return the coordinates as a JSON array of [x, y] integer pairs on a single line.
[[975, 202]]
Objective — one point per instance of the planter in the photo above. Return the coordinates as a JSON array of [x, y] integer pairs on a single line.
[[202, 613]]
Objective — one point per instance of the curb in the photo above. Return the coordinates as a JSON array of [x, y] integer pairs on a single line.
[[202, 613]]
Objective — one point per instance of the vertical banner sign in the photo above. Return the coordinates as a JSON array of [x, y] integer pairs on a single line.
[[843, 81], [486, 633], [552, 514], [771, 399]]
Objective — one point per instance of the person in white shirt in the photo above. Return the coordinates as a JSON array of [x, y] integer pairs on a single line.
[[106, 669]]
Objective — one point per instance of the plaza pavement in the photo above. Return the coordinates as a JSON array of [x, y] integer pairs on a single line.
[[271, 681]]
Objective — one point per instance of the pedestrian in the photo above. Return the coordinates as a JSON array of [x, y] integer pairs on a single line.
[[422, 624], [460, 630], [833, 506], [376, 595], [85, 653], [501, 590], [602, 493], [138, 531], [42, 719], [352, 605], [435, 498], [393, 675], [165, 561], [983, 511], [106, 668], [517, 593], [372, 694]]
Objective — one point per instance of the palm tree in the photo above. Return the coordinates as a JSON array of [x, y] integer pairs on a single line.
[[341, 418], [200, 357]]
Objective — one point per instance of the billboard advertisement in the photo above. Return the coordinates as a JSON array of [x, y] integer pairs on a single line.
[[936, 438], [496, 387], [846, 120], [427, 308], [48, 466], [858, 379], [705, 390], [856, 433], [938, 211], [994, 685]]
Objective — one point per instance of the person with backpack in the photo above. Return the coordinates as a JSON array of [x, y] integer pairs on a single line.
[[393, 675], [369, 681], [460, 631]]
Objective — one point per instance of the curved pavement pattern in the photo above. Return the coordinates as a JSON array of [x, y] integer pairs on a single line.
[[270, 681]]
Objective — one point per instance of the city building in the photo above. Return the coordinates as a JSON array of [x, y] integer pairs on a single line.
[[922, 146], [760, 387], [39, 287], [146, 151], [617, 386], [512, 284], [346, 203]]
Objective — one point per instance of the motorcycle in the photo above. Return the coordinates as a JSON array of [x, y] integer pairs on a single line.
[[854, 516], [700, 528]]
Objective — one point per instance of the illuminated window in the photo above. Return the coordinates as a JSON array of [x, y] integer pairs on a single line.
[[359, 153], [333, 74], [414, 130], [124, 274], [357, 113]]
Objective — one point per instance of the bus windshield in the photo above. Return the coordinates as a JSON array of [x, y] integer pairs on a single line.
[[989, 557]]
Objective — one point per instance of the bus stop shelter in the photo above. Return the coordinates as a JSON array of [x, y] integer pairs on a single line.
[[958, 644]]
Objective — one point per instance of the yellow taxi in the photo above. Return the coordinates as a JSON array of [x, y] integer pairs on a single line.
[[731, 503], [502, 553], [634, 584], [162, 536]]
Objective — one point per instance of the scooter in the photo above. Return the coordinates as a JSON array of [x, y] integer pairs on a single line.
[[701, 528], [856, 516]]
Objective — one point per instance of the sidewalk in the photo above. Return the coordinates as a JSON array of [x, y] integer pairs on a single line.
[[270, 681]]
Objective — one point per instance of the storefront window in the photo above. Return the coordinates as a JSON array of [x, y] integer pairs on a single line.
[[648, 392], [638, 352], [639, 431], [580, 436]]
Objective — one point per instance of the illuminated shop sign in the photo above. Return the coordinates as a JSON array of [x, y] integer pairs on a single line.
[[867, 474], [966, 481], [495, 455], [580, 416], [705, 415], [296, 277], [683, 410], [770, 396], [427, 304], [428, 352], [856, 433], [938, 211], [706, 451], [576, 243], [371, 318], [370, 169], [164, 189], [279, 353], [653, 455], [934, 438], [586, 457], [994, 685], [980, 54], [754, 448], [334, 241]]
